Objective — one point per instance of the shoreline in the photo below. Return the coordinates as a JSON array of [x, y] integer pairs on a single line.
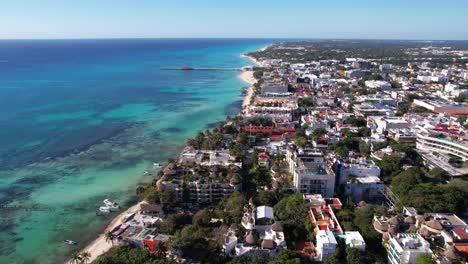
[[99, 245], [248, 77]]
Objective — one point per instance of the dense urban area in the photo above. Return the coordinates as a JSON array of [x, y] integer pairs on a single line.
[[345, 152]]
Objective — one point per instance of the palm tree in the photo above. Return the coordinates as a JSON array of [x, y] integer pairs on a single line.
[[110, 237], [85, 256], [76, 258], [160, 249]]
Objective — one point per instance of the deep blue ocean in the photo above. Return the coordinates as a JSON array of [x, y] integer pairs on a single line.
[[81, 120]]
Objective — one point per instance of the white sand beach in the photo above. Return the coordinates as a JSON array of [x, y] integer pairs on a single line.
[[99, 246], [247, 76]]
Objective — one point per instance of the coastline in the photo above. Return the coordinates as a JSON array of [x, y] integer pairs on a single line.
[[99, 245], [248, 77]]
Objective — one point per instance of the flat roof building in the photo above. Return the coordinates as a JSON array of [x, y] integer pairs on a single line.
[[406, 248]]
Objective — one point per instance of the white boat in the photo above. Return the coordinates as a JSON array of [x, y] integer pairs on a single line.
[[104, 209], [69, 242], [157, 165], [110, 204]]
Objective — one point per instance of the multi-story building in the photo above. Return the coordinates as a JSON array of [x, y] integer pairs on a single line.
[[281, 108], [386, 123], [442, 106], [355, 168], [326, 244], [199, 192], [406, 248], [444, 145], [357, 73], [311, 173], [366, 109], [378, 84], [367, 188]]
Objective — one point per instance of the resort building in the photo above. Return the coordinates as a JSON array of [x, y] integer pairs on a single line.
[[275, 108], [199, 192], [406, 248], [272, 88], [191, 156]]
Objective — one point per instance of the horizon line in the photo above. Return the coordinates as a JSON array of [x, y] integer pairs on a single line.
[[247, 38]]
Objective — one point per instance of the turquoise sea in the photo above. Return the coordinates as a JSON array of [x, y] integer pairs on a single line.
[[81, 120]]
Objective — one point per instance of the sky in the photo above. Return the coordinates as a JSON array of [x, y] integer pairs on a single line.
[[359, 19]]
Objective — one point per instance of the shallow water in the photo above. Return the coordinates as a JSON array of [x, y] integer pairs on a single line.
[[82, 120]]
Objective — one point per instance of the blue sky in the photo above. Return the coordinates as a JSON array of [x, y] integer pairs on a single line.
[[387, 19]]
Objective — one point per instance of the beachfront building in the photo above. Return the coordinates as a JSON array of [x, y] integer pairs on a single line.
[[271, 107], [311, 174], [199, 192], [191, 156], [406, 248], [274, 88]]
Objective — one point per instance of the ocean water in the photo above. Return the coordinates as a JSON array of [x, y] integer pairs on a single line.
[[81, 120]]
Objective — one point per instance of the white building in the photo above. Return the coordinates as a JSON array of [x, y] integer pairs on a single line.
[[449, 87], [406, 248], [326, 244], [230, 242], [311, 173], [263, 214], [355, 240], [442, 106], [386, 66], [428, 78], [386, 123], [378, 84], [440, 145], [364, 188]]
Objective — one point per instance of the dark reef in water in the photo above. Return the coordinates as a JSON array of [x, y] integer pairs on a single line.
[[172, 130], [34, 179], [233, 108], [63, 146]]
